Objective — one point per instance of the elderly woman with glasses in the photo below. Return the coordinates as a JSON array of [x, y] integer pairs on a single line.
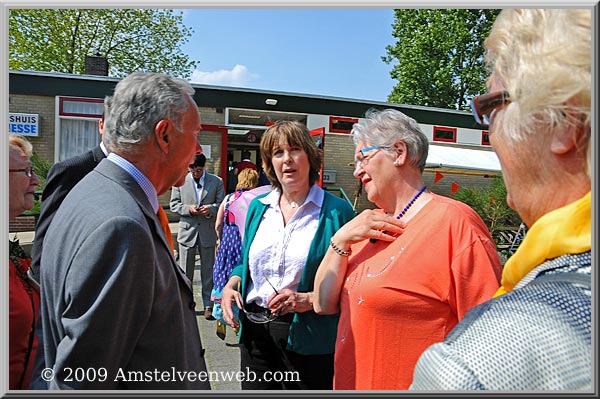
[[286, 236], [24, 297], [536, 333], [403, 275]]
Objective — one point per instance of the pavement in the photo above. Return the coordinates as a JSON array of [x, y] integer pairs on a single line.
[[221, 356]]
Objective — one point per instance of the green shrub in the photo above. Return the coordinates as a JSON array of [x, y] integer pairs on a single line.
[[490, 204]]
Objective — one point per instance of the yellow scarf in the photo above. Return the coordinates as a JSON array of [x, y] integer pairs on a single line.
[[566, 230]]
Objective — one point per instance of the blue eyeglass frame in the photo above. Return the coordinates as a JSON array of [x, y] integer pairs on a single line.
[[359, 162], [373, 147]]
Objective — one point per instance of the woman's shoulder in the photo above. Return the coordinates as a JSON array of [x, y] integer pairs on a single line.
[[456, 211]]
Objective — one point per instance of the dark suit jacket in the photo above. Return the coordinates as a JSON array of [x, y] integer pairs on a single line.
[[113, 295], [62, 177]]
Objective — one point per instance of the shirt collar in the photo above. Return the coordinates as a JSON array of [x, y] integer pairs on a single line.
[[103, 148], [315, 195], [138, 176]]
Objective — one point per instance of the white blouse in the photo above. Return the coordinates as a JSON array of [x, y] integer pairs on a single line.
[[278, 253]]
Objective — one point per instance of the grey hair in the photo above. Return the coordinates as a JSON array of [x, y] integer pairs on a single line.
[[543, 58], [388, 127], [140, 101]]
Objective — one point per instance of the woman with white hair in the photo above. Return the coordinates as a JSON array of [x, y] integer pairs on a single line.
[[536, 333]]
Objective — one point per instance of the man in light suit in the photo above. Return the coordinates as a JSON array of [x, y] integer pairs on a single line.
[[197, 202], [114, 300]]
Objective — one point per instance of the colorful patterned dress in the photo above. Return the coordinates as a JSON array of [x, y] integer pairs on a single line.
[[228, 256]]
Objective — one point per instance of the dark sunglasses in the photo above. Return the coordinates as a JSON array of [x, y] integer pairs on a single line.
[[265, 316], [484, 105]]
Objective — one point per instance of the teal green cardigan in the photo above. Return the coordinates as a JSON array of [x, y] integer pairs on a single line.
[[310, 333]]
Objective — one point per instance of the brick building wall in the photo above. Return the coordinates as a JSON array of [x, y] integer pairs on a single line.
[[43, 144], [21, 223]]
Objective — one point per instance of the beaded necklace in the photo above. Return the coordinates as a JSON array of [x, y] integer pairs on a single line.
[[412, 201], [406, 208]]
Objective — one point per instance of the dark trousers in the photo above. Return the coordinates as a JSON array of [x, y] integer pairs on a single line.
[[265, 359]]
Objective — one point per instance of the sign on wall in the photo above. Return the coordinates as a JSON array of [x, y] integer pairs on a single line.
[[24, 124], [329, 176], [206, 150]]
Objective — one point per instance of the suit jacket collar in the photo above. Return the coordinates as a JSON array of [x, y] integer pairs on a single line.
[[98, 154], [208, 182], [124, 179]]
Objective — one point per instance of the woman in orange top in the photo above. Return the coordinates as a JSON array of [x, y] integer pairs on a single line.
[[24, 297], [401, 276]]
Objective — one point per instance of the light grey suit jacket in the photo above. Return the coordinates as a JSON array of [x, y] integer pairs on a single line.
[[113, 297], [192, 227]]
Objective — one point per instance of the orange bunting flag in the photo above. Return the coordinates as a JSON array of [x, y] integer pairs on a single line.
[[438, 177], [455, 187]]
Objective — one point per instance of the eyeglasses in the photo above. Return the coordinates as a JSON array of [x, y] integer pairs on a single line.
[[196, 170], [264, 316], [365, 160], [28, 171], [483, 106]]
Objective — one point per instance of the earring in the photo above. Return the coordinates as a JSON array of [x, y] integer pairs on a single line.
[[396, 163]]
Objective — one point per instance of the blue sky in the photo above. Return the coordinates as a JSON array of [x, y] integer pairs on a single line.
[[324, 51]]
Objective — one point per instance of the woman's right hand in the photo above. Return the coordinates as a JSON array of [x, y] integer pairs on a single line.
[[369, 224], [229, 295]]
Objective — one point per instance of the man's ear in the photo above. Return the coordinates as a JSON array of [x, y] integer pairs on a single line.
[[161, 134]]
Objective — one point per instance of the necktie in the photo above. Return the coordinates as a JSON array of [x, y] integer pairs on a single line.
[[164, 223]]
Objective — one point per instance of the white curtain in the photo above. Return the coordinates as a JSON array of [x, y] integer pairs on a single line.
[[77, 136], [79, 133]]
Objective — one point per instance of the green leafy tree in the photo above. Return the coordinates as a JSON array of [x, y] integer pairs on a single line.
[[57, 40], [439, 55]]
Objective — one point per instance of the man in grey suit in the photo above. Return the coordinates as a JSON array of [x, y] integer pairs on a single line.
[[117, 311], [197, 202]]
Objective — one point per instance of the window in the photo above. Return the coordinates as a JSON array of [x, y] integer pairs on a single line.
[[485, 137], [443, 133], [77, 130], [341, 125]]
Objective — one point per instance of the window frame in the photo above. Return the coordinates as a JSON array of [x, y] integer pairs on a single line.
[[61, 116], [484, 134], [341, 119], [445, 129]]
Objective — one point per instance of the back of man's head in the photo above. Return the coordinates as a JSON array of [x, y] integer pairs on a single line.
[[245, 154], [139, 102]]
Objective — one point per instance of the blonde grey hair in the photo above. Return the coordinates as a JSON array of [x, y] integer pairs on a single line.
[[22, 143], [543, 58]]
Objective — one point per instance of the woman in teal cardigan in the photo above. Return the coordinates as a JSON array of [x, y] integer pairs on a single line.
[[287, 234]]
